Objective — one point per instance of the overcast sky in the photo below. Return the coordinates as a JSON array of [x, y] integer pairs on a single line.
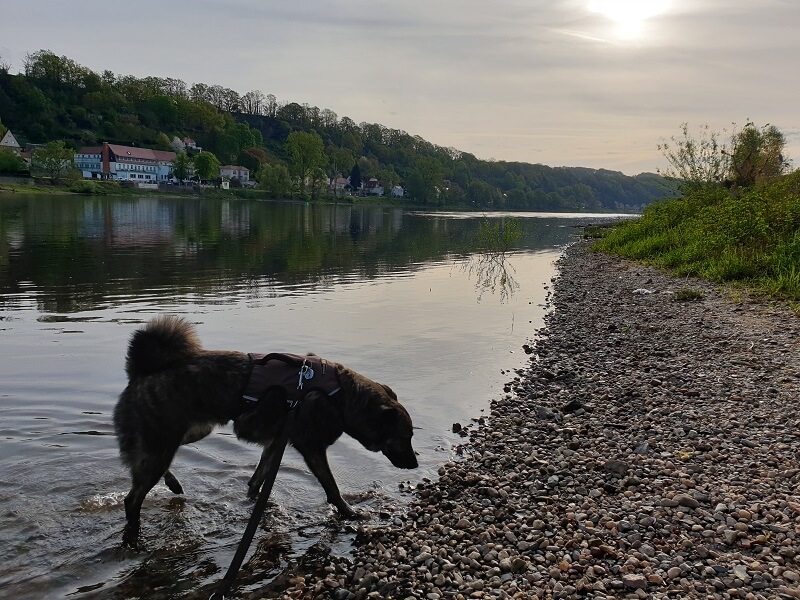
[[594, 83]]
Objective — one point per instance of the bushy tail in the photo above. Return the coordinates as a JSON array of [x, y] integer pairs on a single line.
[[163, 342]]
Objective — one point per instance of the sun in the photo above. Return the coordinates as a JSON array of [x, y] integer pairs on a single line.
[[629, 15]]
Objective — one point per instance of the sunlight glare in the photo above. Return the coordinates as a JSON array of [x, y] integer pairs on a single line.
[[629, 15]]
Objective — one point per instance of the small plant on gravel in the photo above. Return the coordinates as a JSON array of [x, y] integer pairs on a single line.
[[688, 295]]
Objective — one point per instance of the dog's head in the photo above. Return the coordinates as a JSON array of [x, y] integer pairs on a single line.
[[377, 420]]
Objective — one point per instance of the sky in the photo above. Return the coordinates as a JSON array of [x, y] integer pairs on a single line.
[[591, 83]]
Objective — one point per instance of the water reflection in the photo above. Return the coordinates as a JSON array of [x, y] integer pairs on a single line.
[[83, 253], [493, 273]]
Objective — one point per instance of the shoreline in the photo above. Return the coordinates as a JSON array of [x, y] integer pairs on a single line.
[[648, 450]]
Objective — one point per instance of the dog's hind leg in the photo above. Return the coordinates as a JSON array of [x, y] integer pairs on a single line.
[[145, 475], [260, 474], [317, 461], [172, 483]]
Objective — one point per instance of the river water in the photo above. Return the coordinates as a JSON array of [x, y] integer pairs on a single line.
[[398, 296]]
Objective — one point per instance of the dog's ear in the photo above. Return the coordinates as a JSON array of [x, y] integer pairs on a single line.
[[387, 418], [389, 391]]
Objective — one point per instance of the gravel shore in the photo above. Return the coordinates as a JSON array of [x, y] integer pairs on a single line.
[[649, 450]]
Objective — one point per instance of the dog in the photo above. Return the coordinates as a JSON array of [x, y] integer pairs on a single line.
[[178, 392]]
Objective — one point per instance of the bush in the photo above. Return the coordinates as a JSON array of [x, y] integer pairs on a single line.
[[11, 163], [752, 236], [94, 188]]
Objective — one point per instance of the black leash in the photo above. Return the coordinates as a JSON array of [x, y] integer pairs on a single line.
[[258, 511]]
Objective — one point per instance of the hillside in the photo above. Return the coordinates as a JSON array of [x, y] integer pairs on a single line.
[[58, 99]]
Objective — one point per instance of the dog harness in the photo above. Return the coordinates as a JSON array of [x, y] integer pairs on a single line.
[[295, 374]]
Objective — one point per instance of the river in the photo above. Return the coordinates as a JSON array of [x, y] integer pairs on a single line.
[[399, 296]]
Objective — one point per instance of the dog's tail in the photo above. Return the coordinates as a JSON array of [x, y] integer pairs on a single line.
[[163, 342]]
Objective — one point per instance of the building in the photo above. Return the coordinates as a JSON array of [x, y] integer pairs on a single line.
[[191, 144], [10, 144], [339, 184], [397, 191], [231, 171], [373, 188], [125, 163]]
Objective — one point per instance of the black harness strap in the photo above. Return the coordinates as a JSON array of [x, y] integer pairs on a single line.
[[258, 511], [298, 376]]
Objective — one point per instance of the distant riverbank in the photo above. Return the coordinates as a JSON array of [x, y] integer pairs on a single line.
[[649, 450], [24, 185]]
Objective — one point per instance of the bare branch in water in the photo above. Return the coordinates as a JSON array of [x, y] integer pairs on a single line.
[[490, 266]]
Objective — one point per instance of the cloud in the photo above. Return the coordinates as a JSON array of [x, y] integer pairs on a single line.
[[520, 80]]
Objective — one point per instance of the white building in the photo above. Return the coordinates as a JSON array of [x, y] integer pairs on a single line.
[[125, 163], [373, 188], [231, 171], [10, 144]]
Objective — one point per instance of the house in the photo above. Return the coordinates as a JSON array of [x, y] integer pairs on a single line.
[[10, 144], [338, 184], [397, 191], [373, 188], [231, 171], [125, 163], [191, 144]]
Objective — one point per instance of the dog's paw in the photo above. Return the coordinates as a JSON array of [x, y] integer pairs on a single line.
[[132, 543], [353, 515], [172, 483]]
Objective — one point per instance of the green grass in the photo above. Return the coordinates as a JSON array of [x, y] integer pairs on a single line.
[[749, 236], [688, 295]]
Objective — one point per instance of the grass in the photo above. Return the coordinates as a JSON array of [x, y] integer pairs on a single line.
[[688, 295], [749, 236]]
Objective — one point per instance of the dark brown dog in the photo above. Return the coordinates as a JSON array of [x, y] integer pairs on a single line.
[[177, 393]]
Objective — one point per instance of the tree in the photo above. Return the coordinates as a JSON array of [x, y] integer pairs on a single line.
[[757, 155], [424, 181], [162, 142], [750, 155], [695, 161], [11, 163], [253, 158], [180, 167], [206, 166], [275, 179], [53, 160], [340, 161], [307, 155], [355, 177]]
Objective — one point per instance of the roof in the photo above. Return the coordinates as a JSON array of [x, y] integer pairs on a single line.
[[90, 150], [9, 140], [234, 168], [140, 153], [164, 155]]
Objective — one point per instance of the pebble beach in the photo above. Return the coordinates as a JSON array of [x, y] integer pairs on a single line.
[[649, 449]]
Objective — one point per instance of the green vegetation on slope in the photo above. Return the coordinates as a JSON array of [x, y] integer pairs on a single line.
[[748, 235], [58, 99]]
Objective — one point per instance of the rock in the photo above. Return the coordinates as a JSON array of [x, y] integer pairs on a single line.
[[634, 581], [616, 467], [686, 500]]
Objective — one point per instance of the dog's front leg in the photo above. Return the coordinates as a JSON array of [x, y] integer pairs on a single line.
[[317, 461], [260, 474]]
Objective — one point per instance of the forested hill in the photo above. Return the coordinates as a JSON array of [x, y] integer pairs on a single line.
[[58, 99]]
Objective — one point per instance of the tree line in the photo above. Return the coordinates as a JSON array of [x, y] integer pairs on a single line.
[[288, 145]]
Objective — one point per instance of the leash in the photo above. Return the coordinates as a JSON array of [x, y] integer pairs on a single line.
[[258, 511]]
